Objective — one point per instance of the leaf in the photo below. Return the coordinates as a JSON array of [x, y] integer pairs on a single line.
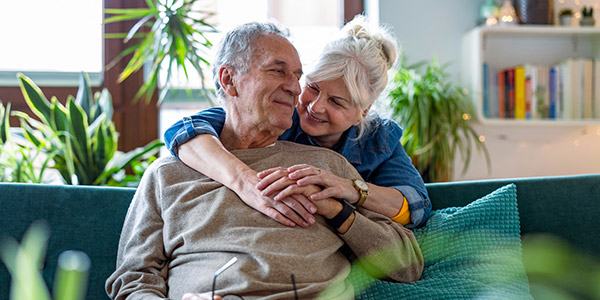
[[24, 263], [122, 160], [84, 98], [79, 137], [35, 98]]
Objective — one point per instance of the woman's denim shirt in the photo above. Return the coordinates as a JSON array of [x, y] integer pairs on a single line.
[[378, 156]]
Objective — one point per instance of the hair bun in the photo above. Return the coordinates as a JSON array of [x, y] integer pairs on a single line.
[[360, 28]]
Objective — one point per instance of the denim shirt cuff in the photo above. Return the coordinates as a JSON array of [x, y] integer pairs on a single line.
[[189, 130], [416, 204]]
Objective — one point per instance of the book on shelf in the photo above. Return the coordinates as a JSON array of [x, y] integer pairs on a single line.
[[567, 90], [519, 92], [596, 90], [500, 98], [509, 93], [587, 68]]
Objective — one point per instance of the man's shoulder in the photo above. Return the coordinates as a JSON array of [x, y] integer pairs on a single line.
[[168, 164], [292, 147]]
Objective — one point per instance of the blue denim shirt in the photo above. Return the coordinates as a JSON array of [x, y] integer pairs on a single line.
[[378, 155]]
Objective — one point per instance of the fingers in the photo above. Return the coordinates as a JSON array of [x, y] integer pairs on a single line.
[[203, 296], [274, 214], [272, 175], [302, 171], [277, 185], [267, 172], [330, 192], [288, 211]]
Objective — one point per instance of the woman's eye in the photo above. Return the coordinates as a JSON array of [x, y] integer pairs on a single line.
[[336, 102]]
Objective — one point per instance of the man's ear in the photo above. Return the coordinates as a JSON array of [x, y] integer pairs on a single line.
[[226, 80]]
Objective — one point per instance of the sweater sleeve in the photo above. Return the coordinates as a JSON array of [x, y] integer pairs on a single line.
[[141, 269], [384, 248]]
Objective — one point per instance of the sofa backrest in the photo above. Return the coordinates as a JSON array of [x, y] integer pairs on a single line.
[[82, 218], [565, 206], [89, 219]]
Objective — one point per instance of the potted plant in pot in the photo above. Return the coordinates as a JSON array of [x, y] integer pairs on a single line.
[[434, 114], [565, 17], [587, 16]]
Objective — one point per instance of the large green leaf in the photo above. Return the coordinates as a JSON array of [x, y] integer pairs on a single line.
[[24, 263], [4, 122], [85, 98], [79, 138], [121, 160], [35, 98]]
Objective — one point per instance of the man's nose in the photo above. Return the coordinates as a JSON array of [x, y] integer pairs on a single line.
[[292, 85]]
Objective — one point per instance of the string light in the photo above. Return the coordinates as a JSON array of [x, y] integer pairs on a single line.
[[482, 138]]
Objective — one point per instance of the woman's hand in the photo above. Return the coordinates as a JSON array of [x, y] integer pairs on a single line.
[[290, 211], [333, 186], [203, 296]]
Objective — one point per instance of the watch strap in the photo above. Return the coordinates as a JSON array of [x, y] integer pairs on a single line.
[[342, 216]]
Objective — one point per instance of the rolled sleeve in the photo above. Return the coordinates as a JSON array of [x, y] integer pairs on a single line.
[[209, 121], [420, 207]]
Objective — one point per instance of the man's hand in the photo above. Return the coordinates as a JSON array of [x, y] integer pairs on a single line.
[[289, 211], [203, 296]]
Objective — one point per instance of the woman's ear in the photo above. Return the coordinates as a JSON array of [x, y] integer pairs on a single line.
[[366, 111], [226, 80]]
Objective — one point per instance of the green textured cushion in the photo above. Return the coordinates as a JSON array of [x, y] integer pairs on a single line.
[[471, 252]]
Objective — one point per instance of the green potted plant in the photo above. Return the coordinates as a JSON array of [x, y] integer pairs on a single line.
[[587, 16], [435, 116], [565, 17], [170, 36]]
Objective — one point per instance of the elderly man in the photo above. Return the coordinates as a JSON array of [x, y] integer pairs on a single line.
[[182, 226]]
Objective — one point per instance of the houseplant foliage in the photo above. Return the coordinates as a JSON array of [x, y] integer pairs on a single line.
[[174, 39], [20, 161], [82, 135], [25, 261], [435, 117]]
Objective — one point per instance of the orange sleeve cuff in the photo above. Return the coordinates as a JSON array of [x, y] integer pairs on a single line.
[[403, 217]]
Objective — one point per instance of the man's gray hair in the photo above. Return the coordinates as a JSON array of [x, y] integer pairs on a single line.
[[237, 47]]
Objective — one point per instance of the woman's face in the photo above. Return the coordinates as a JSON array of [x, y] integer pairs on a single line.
[[326, 111]]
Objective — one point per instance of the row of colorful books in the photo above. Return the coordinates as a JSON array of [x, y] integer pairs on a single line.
[[568, 90]]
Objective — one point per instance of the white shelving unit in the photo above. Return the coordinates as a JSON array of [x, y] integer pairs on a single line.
[[504, 47]]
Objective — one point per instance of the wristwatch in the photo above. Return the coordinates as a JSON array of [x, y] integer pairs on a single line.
[[342, 216], [363, 189]]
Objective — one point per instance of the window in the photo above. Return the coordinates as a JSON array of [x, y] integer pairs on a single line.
[[51, 41]]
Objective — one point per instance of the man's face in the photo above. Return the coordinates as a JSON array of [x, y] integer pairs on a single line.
[[268, 92]]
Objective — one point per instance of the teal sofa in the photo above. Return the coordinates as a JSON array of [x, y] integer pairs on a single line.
[[90, 218]]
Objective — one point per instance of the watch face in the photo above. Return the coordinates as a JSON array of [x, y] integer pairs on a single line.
[[361, 185]]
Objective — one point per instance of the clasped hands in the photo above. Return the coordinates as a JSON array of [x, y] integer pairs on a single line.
[[292, 195]]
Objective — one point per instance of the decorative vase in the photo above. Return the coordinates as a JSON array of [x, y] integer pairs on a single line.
[[566, 20], [587, 21], [535, 11]]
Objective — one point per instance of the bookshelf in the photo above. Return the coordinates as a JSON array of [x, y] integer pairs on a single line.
[[507, 47]]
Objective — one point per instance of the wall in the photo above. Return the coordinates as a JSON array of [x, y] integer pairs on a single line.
[[428, 28]]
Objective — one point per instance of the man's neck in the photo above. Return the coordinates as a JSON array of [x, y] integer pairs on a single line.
[[236, 135]]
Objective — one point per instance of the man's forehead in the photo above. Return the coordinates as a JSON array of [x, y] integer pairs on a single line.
[[277, 50]]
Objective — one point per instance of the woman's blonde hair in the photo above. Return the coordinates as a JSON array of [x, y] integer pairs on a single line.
[[362, 56]]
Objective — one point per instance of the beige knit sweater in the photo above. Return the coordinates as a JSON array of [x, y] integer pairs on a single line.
[[182, 226]]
